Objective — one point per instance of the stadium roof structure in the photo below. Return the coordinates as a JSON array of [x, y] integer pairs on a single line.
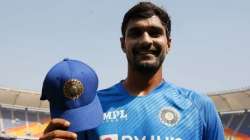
[[13, 98], [230, 101], [226, 101]]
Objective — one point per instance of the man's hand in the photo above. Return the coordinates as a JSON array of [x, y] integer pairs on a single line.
[[56, 130]]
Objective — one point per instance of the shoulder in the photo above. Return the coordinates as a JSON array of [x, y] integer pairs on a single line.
[[108, 91], [211, 124], [194, 96], [199, 100], [111, 94], [202, 102]]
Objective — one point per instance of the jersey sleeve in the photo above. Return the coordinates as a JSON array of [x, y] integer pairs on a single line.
[[213, 129]]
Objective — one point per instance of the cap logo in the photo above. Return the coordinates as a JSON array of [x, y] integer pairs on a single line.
[[73, 89], [169, 116]]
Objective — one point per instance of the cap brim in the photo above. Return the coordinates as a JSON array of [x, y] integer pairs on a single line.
[[82, 118]]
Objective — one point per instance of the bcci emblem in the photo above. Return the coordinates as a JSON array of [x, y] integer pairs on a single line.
[[169, 116], [73, 89]]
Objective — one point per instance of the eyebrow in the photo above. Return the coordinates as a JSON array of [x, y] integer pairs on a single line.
[[146, 28]]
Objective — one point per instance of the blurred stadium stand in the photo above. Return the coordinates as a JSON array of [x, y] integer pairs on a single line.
[[24, 117], [234, 109], [22, 114]]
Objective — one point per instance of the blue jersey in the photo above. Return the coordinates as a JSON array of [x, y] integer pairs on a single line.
[[166, 113]]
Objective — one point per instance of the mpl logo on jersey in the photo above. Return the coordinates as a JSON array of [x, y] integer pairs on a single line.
[[115, 115]]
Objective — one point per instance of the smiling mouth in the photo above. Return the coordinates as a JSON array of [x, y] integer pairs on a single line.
[[145, 56], [145, 52], [150, 52]]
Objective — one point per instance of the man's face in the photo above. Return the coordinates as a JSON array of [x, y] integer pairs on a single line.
[[145, 43]]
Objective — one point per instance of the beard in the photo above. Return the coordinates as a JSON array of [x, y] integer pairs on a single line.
[[146, 66]]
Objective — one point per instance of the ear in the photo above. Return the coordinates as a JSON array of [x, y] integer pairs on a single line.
[[169, 44], [122, 40]]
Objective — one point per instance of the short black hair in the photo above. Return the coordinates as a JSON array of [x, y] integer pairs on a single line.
[[146, 10]]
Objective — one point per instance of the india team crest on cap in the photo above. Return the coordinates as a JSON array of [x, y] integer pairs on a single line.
[[169, 116], [73, 89]]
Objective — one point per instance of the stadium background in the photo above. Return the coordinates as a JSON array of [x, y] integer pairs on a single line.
[[24, 116]]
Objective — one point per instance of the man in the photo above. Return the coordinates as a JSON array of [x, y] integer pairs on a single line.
[[144, 106]]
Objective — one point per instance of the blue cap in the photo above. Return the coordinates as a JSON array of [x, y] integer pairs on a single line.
[[70, 86]]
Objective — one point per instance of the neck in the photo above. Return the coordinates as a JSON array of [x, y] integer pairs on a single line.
[[140, 84]]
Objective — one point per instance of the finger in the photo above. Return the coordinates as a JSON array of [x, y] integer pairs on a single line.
[[59, 134], [59, 139], [57, 123]]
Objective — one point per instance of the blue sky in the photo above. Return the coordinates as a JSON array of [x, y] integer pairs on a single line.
[[210, 41]]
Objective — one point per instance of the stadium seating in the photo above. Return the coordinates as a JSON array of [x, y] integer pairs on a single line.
[[237, 124], [18, 123]]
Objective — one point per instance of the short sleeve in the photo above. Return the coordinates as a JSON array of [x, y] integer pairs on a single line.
[[213, 129]]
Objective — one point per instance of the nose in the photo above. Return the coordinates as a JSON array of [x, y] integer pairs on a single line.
[[146, 38]]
